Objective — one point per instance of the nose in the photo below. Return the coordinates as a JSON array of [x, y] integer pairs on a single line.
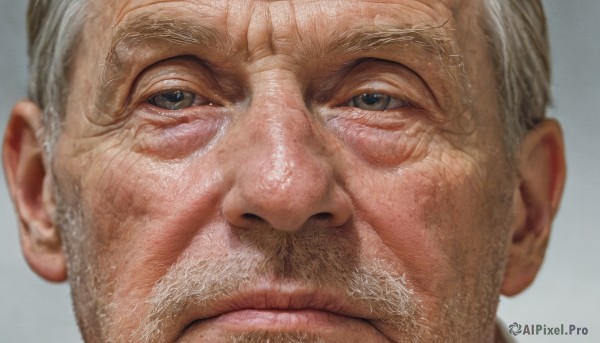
[[283, 172]]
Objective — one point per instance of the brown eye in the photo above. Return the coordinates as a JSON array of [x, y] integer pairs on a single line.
[[375, 102], [173, 101]]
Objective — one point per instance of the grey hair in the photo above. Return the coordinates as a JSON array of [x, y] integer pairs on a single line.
[[518, 39], [54, 27], [516, 32]]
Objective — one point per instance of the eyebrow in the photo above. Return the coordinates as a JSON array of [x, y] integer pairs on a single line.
[[149, 28], [178, 31], [145, 29], [433, 41]]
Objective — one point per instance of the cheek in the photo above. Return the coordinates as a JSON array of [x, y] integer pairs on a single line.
[[386, 140], [177, 138], [426, 217], [140, 215]]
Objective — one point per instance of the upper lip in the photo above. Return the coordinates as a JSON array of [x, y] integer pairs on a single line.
[[281, 297]]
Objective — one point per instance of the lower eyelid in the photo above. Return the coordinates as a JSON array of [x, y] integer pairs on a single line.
[[179, 140], [179, 136], [202, 101], [395, 103], [398, 103]]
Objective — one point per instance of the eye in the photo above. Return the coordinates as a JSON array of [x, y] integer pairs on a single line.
[[376, 102], [174, 100]]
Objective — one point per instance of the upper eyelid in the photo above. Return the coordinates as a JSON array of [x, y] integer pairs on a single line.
[[400, 97], [202, 92], [171, 90], [407, 90], [183, 73], [370, 74], [204, 86], [167, 85], [167, 91]]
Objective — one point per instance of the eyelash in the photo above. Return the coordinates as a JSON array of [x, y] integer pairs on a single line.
[[372, 96], [175, 97], [377, 96], [192, 99]]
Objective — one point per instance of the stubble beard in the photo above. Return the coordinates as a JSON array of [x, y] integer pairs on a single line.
[[311, 257]]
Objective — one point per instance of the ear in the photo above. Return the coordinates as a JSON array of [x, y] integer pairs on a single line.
[[30, 185], [542, 170]]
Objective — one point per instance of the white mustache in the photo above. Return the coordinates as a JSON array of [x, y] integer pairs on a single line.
[[312, 258]]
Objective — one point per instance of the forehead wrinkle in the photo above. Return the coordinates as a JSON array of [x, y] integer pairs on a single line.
[[259, 32], [274, 30], [149, 27], [287, 30]]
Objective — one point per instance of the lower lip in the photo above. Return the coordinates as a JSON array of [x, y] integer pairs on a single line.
[[280, 319]]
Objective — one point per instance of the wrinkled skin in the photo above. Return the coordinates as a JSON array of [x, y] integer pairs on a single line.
[[276, 143]]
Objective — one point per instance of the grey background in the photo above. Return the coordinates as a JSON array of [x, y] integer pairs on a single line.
[[566, 290]]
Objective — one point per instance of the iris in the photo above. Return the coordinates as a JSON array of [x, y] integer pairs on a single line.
[[173, 101], [375, 102]]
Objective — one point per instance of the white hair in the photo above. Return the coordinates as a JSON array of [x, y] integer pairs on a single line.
[[54, 27], [518, 39], [516, 32]]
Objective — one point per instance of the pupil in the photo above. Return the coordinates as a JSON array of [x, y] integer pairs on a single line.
[[371, 99], [174, 96]]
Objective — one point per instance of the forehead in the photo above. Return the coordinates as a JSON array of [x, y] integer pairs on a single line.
[[432, 37], [259, 28], [238, 8], [286, 19], [255, 29]]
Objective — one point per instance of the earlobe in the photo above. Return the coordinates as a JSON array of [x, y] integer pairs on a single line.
[[30, 185], [542, 171]]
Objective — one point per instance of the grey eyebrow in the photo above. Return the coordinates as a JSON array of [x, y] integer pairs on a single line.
[[365, 38], [433, 40], [142, 29], [146, 29], [166, 31], [431, 43]]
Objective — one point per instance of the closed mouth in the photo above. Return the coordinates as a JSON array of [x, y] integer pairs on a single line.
[[280, 309]]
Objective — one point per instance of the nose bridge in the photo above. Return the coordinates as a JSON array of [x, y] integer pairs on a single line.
[[286, 135], [289, 167], [284, 176]]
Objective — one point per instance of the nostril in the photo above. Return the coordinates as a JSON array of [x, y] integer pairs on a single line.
[[323, 216], [251, 217], [254, 221]]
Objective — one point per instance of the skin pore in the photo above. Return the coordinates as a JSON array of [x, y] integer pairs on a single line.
[[282, 171]]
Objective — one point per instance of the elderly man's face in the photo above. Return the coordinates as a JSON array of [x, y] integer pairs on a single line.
[[319, 171]]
